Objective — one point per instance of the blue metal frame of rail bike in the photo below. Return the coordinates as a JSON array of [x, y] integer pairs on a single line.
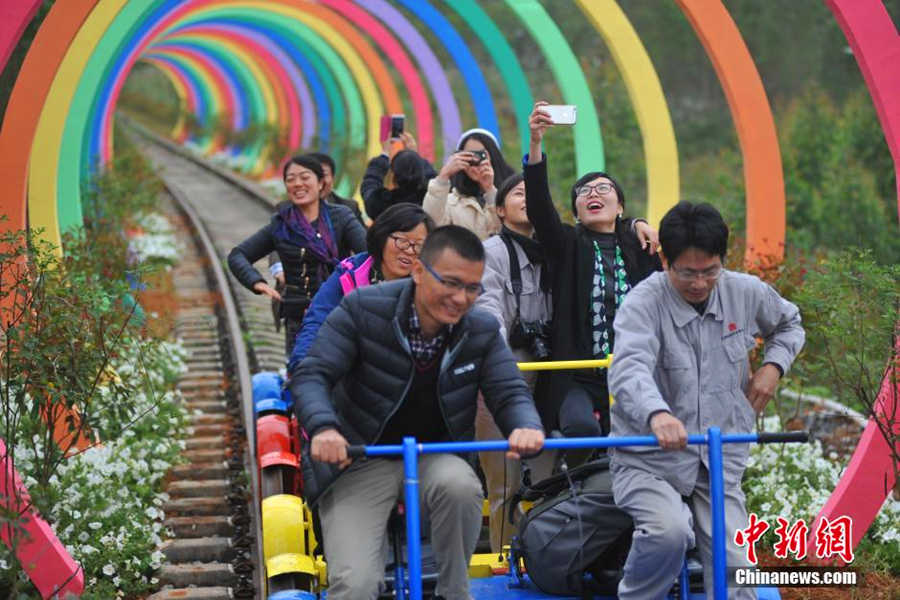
[[714, 438]]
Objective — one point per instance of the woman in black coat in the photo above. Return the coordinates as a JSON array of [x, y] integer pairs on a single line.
[[592, 266], [310, 237]]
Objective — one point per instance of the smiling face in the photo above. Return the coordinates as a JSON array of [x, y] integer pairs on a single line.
[[474, 171], [401, 250], [436, 302], [302, 185], [513, 210], [597, 205]]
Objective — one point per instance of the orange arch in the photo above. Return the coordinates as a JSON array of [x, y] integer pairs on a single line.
[[27, 100], [763, 175]]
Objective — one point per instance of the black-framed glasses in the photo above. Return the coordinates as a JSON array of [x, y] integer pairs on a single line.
[[404, 244], [601, 188], [711, 273], [473, 290]]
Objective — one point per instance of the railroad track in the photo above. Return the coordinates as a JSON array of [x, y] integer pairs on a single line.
[[213, 511]]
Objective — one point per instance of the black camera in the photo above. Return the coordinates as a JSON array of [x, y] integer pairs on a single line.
[[533, 336], [480, 157]]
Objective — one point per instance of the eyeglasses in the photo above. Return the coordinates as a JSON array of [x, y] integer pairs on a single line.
[[601, 188], [711, 273], [404, 244], [473, 290]]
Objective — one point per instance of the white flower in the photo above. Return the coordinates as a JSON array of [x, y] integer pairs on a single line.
[[95, 525], [109, 570]]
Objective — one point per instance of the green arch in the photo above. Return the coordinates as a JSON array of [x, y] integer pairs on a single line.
[[208, 98], [504, 59], [223, 55], [349, 91], [75, 142], [589, 154]]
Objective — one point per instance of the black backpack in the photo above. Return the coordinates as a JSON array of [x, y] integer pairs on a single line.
[[566, 534]]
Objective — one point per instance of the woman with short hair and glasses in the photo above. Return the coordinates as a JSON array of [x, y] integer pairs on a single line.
[[393, 242], [592, 266]]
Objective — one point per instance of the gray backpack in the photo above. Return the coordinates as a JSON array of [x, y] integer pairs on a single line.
[[566, 535]]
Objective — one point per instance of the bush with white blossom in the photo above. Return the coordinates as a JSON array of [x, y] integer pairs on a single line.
[[105, 504], [793, 481], [155, 241]]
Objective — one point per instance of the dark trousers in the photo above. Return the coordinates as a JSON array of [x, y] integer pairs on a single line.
[[291, 328], [588, 393]]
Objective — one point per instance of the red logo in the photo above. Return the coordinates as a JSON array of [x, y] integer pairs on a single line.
[[835, 538], [732, 326], [791, 539], [748, 537]]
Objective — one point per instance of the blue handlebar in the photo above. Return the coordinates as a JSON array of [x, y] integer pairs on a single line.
[[714, 438]]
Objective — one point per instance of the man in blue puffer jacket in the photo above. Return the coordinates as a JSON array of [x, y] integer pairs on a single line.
[[411, 357]]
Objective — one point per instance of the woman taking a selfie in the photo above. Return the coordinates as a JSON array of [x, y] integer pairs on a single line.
[[592, 266], [464, 191]]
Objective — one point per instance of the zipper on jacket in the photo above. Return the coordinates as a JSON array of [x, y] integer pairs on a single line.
[[446, 361], [404, 343]]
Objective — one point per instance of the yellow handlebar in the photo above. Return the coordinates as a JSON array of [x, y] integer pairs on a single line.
[[555, 365]]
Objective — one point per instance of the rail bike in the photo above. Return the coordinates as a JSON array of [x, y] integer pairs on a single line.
[[296, 572]]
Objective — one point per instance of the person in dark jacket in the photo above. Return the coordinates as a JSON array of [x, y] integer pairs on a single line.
[[394, 241], [593, 265], [328, 195], [410, 172], [309, 235], [411, 356]]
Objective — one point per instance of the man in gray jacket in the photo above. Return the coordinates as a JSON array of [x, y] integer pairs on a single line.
[[411, 357], [681, 365]]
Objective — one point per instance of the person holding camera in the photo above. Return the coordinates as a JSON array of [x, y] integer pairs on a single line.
[[517, 293], [592, 266], [465, 190], [410, 171]]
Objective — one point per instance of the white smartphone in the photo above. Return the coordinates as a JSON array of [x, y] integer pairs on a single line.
[[561, 114]]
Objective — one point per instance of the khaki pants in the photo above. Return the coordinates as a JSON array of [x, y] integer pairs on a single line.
[[503, 476], [355, 511]]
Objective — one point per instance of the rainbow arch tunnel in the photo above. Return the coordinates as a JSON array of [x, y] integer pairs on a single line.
[[325, 71]]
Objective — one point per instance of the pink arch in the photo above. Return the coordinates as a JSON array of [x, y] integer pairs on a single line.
[[870, 475], [400, 60], [285, 89]]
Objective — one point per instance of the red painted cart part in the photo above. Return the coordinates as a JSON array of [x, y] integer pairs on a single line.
[[273, 434], [870, 476], [45, 560], [283, 459]]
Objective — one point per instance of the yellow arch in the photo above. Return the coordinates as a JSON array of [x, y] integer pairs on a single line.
[[256, 71], [648, 100], [368, 89], [180, 91], [45, 152]]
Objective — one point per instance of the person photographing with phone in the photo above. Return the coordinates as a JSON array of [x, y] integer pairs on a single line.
[[593, 265], [411, 173], [465, 189]]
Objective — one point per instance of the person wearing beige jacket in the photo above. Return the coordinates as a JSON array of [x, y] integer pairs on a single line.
[[465, 190]]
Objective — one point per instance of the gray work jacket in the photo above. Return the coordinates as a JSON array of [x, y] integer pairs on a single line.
[[669, 357]]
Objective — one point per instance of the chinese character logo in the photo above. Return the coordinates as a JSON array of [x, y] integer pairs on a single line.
[[791, 540], [749, 536], [835, 538]]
